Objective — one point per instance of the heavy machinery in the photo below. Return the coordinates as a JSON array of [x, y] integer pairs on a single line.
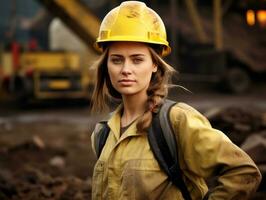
[[218, 46], [45, 75], [50, 74], [208, 46]]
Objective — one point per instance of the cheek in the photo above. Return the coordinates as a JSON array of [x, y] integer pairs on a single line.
[[145, 77], [112, 72]]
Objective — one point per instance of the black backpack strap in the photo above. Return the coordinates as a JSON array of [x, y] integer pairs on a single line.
[[166, 126], [100, 137], [161, 142]]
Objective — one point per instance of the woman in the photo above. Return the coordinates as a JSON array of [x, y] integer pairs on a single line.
[[132, 40]]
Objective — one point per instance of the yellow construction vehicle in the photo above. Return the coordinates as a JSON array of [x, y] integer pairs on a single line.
[[45, 75], [54, 74]]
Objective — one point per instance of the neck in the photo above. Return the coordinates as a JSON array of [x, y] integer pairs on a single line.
[[134, 106]]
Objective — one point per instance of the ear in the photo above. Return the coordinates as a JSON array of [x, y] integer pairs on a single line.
[[154, 67]]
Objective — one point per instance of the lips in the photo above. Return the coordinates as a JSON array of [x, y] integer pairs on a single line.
[[126, 82]]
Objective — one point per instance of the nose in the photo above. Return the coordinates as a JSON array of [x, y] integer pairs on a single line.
[[126, 69]]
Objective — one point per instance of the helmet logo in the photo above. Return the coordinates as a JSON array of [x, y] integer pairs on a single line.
[[132, 13]]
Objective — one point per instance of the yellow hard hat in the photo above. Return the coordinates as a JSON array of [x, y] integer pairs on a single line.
[[133, 21]]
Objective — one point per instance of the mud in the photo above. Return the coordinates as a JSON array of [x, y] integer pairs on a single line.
[[45, 150], [46, 154]]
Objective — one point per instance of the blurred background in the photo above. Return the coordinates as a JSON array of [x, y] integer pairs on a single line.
[[46, 81]]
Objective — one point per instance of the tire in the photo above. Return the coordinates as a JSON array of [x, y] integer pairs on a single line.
[[23, 91], [237, 80]]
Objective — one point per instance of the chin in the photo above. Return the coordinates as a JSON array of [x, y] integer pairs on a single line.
[[130, 91]]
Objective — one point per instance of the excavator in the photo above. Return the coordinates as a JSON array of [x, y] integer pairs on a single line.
[[59, 72]]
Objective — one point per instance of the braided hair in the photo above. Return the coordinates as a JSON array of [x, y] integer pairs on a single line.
[[156, 92]]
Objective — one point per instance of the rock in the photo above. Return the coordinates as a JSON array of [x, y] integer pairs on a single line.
[[57, 161], [7, 188], [255, 146], [213, 112], [242, 127], [35, 144], [5, 125], [38, 141], [237, 123], [27, 145]]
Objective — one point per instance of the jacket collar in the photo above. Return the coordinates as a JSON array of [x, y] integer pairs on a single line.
[[115, 121]]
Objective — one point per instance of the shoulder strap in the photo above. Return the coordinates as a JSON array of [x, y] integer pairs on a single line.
[[101, 137], [167, 128], [164, 147]]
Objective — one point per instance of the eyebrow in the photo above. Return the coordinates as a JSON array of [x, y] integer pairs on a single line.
[[133, 55]]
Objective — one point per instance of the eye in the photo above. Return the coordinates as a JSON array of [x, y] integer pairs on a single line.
[[116, 60], [137, 60]]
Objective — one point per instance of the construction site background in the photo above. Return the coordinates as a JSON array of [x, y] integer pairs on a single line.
[[46, 54]]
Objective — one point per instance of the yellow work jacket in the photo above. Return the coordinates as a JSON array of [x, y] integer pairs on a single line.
[[127, 168]]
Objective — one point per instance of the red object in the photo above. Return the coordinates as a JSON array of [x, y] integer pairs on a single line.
[[33, 44], [15, 55], [29, 72]]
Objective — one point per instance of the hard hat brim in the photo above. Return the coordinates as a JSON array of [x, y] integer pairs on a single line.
[[98, 45]]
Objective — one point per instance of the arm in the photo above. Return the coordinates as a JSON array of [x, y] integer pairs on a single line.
[[207, 152]]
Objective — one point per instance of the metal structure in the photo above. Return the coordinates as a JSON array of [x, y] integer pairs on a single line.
[[207, 46], [218, 48], [37, 74], [77, 16]]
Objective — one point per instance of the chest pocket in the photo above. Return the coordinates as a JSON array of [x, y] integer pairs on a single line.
[[142, 179], [97, 180]]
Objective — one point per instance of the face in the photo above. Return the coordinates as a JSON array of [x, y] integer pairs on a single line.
[[130, 67]]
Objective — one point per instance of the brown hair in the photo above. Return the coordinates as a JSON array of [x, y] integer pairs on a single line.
[[157, 90]]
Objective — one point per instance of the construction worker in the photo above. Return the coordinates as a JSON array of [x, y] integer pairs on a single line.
[[132, 39]]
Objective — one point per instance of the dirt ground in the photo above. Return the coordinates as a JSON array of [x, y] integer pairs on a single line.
[[45, 150]]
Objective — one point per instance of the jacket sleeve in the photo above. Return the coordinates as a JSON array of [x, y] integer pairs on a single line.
[[209, 152]]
